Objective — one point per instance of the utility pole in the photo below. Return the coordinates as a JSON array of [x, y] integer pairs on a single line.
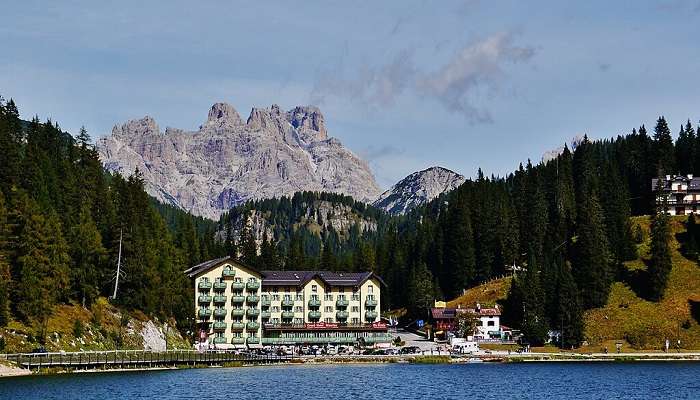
[[119, 260]]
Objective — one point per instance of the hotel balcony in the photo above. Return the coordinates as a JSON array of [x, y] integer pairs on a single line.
[[206, 285], [265, 314], [371, 315], [253, 340], [341, 315], [237, 299], [252, 299], [220, 313], [227, 273], [378, 339], [287, 314], [314, 303], [237, 326], [219, 326], [253, 312], [237, 312], [255, 285], [371, 303], [219, 285], [204, 313], [237, 285], [205, 298], [252, 326], [219, 340], [238, 340], [287, 302], [342, 303], [220, 299], [314, 315], [265, 301]]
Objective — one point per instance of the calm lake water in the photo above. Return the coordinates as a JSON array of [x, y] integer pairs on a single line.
[[393, 381]]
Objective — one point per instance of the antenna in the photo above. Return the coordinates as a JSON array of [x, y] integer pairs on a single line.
[[119, 261]]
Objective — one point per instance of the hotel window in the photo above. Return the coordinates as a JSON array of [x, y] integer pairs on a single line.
[[275, 309], [237, 280], [355, 295], [298, 321], [300, 297], [355, 320], [287, 297], [298, 309], [275, 320], [355, 309], [237, 335], [328, 320], [329, 308], [492, 323], [275, 297], [369, 289], [328, 297], [314, 288]]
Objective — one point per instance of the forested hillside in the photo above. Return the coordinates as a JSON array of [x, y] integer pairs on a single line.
[[61, 219]]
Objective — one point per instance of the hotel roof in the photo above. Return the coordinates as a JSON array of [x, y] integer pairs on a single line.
[[291, 278]]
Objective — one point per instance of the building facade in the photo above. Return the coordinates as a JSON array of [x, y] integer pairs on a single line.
[[488, 326], [677, 194], [237, 306]]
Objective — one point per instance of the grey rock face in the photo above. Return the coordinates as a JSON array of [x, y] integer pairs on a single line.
[[228, 161], [417, 189]]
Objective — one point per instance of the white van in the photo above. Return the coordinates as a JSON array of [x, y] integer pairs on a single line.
[[465, 347]]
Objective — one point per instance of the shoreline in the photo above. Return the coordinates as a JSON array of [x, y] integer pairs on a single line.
[[10, 371]]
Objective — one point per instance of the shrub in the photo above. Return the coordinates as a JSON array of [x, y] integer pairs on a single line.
[[78, 328]]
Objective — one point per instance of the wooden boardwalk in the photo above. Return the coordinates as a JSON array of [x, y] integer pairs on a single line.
[[125, 359]]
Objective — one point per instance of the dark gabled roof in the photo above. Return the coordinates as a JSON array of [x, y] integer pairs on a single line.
[[693, 182], [291, 278]]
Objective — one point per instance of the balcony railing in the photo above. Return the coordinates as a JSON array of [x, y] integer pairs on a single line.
[[265, 314], [221, 299], [253, 340], [287, 302], [204, 285], [371, 315], [237, 312], [237, 285], [342, 303], [265, 301], [204, 313], [219, 285], [314, 303], [252, 326], [253, 312], [219, 340], [205, 298], [287, 314], [219, 312], [228, 273], [219, 326], [314, 315], [252, 299], [377, 339], [341, 315], [237, 299], [253, 285], [237, 326], [238, 340], [371, 302]]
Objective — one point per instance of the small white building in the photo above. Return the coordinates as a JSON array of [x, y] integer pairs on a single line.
[[677, 194]]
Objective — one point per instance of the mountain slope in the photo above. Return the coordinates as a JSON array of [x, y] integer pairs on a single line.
[[228, 161], [417, 189]]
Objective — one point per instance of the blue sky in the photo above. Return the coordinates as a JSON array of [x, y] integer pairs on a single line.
[[405, 84]]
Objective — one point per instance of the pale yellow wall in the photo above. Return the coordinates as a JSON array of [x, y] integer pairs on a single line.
[[241, 273], [364, 291]]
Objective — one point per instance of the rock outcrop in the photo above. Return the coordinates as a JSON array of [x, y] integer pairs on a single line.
[[228, 161], [417, 189]]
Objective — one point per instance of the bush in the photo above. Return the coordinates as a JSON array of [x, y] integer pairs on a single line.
[[78, 328], [2, 343]]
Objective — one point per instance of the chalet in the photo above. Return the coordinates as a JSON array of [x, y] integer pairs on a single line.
[[677, 194]]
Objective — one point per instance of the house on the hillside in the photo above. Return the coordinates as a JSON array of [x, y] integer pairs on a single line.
[[488, 327], [677, 194]]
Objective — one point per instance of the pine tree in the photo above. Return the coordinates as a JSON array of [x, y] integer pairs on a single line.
[[690, 245], [87, 256], [569, 312], [685, 149], [421, 290], [660, 263], [5, 276], [269, 259], [249, 247], [664, 151], [459, 258]]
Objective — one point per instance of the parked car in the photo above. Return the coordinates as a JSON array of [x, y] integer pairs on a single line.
[[409, 350]]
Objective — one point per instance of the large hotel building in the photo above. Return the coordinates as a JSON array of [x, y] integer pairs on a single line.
[[237, 306]]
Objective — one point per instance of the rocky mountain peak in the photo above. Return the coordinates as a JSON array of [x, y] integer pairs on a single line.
[[227, 162], [222, 114], [417, 189], [136, 127]]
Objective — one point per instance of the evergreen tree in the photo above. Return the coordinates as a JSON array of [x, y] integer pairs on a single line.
[[5, 276], [660, 263], [685, 149], [249, 248], [269, 259], [663, 145], [569, 312], [421, 290], [87, 256], [459, 259]]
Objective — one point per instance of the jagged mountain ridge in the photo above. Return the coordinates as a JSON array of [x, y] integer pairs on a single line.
[[228, 161], [417, 189]]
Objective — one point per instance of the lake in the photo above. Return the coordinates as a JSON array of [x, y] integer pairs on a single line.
[[596, 380]]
